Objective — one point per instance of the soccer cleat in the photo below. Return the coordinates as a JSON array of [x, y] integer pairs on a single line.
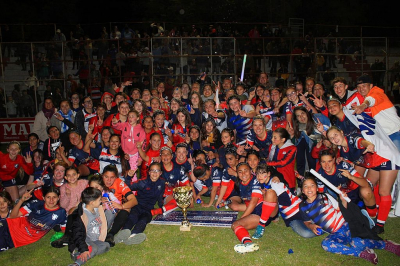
[[61, 242], [110, 240], [245, 248], [122, 236], [392, 247], [259, 232], [135, 239], [369, 255], [378, 229]]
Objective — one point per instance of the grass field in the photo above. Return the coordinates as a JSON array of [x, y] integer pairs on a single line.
[[166, 245]]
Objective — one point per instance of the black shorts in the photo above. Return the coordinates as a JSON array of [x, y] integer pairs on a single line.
[[258, 209], [386, 166], [233, 194], [5, 236], [9, 183]]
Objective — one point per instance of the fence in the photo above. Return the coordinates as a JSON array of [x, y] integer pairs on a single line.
[[103, 62]]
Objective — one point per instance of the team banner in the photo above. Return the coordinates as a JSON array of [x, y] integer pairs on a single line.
[[198, 218], [372, 131], [15, 129]]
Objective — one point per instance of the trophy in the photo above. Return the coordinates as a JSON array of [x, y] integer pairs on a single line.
[[183, 197]]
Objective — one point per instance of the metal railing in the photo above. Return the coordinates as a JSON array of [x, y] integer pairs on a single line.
[[175, 60]]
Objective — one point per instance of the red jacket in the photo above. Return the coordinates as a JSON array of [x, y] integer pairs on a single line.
[[9, 168], [285, 162]]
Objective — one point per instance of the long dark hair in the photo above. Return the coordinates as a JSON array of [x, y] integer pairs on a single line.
[[215, 131], [309, 125], [124, 162]]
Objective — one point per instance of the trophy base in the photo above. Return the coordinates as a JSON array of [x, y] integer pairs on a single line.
[[185, 228]]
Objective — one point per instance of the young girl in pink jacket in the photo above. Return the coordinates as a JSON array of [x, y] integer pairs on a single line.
[[132, 132]]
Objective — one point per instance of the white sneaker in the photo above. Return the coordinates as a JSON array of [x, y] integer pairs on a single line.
[[122, 235], [245, 248], [135, 239], [391, 214]]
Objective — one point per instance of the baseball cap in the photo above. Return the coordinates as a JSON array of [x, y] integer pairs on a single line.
[[363, 79]]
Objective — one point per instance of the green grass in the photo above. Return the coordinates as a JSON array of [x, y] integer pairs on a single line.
[[166, 245]]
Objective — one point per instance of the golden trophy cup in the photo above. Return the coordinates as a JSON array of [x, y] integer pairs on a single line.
[[183, 197]]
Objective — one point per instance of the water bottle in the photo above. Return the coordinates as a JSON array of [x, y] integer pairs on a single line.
[[113, 210], [224, 204]]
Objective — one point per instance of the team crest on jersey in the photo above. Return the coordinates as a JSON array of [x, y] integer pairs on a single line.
[[38, 211], [182, 172], [16, 165], [159, 187], [284, 152], [215, 172], [54, 217], [122, 184], [4, 166], [171, 177]]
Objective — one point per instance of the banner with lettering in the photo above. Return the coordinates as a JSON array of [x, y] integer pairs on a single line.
[[15, 129]]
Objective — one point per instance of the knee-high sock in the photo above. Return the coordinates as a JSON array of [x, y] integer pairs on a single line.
[[168, 206], [372, 211], [384, 209], [267, 209], [377, 196], [242, 234]]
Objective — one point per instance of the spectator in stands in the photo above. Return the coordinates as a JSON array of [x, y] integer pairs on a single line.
[[27, 104], [11, 107], [16, 96]]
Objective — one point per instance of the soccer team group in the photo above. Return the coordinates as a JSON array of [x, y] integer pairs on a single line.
[[103, 167]]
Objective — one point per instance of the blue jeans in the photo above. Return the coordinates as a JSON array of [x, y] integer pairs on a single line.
[[301, 229], [395, 137]]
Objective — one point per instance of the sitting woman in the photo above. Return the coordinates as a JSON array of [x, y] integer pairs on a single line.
[[31, 222], [323, 213]]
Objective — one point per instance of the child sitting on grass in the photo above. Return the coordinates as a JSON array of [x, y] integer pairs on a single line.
[[89, 228]]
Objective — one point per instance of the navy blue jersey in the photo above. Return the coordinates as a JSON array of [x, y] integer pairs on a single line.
[[337, 179], [186, 165], [35, 223], [196, 117], [251, 189], [354, 152], [213, 181], [346, 126], [174, 178], [148, 192], [78, 157], [105, 158], [261, 144]]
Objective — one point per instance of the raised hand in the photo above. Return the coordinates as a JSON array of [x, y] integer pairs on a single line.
[[370, 148], [28, 158]]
